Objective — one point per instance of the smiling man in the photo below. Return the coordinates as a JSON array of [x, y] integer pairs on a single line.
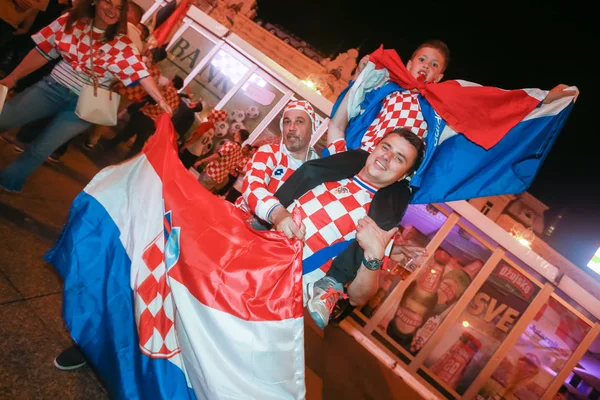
[[335, 213]]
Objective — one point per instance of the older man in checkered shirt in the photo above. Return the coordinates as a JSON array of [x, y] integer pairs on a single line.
[[222, 162], [273, 164]]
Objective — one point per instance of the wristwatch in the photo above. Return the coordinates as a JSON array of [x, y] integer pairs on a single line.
[[373, 264]]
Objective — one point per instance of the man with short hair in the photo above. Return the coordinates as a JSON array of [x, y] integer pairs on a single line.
[[220, 163], [334, 214]]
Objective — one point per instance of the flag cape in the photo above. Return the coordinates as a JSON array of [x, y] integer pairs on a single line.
[[164, 30], [481, 141], [171, 295]]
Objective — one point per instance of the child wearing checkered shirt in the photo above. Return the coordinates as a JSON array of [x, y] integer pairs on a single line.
[[101, 25]]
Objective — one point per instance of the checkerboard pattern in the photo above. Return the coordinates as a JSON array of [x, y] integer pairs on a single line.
[[154, 309], [271, 166], [331, 212], [217, 115], [399, 110], [136, 93], [116, 59], [169, 93], [231, 156]]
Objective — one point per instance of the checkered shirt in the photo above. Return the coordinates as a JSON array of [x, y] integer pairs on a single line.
[[169, 93], [331, 212], [271, 166], [136, 93], [243, 166], [231, 155], [116, 59], [399, 110]]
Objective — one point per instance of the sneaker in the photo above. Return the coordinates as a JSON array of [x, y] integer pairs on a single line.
[[70, 359], [54, 158], [323, 295]]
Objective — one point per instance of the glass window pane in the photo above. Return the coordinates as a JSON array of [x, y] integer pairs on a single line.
[[430, 298], [419, 225], [217, 78], [272, 133], [534, 274], [575, 305], [185, 53], [252, 102], [541, 352], [470, 343]]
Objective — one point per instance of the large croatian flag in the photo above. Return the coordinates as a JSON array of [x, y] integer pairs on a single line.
[[171, 295], [482, 141]]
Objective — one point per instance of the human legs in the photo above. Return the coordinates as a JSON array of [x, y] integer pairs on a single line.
[[44, 99], [387, 209], [64, 126]]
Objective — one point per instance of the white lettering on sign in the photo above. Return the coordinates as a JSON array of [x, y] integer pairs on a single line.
[[517, 279]]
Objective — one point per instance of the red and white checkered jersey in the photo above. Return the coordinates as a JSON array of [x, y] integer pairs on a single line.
[[331, 212], [244, 165], [271, 166], [115, 59], [399, 110], [231, 155], [169, 93]]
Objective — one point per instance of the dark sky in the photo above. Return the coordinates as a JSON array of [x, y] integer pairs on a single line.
[[511, 45]]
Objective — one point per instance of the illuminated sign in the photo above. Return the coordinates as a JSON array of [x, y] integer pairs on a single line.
[[594, 263]]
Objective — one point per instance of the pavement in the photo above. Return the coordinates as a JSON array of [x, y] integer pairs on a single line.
[[32, 331]]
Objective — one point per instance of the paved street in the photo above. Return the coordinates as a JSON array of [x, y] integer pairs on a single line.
[[32, 332]]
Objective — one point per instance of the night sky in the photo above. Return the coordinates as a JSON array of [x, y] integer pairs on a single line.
[[511, 45]]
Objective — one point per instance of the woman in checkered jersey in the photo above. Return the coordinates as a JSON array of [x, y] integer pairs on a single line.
[[99, 23]]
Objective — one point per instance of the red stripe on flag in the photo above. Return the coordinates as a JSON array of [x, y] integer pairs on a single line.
[[253, 275], [483, 114]]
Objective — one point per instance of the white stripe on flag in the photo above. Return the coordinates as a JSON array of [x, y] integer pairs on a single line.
[[131, 193], [230, 358]]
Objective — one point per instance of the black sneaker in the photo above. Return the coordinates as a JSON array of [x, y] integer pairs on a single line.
[[70, 359]]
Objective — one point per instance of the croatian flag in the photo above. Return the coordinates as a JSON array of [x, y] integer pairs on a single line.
[[170, 294], [482, 141]]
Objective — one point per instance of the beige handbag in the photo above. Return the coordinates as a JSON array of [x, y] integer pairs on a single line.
[[3, 93], [96, 104]]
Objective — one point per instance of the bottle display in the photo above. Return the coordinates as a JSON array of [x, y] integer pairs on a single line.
[[450, 367]]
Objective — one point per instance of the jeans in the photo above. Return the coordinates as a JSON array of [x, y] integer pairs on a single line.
[[47, 98], [29, 132]]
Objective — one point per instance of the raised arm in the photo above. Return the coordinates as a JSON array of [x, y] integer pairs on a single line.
[[338, 123], [560, 91]]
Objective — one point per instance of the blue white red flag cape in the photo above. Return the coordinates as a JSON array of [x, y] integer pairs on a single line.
[[169, 293], [482, 141]]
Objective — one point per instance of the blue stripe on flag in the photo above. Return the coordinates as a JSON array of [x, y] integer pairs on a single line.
[[319, 258], [459, 169], [98, 307]]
